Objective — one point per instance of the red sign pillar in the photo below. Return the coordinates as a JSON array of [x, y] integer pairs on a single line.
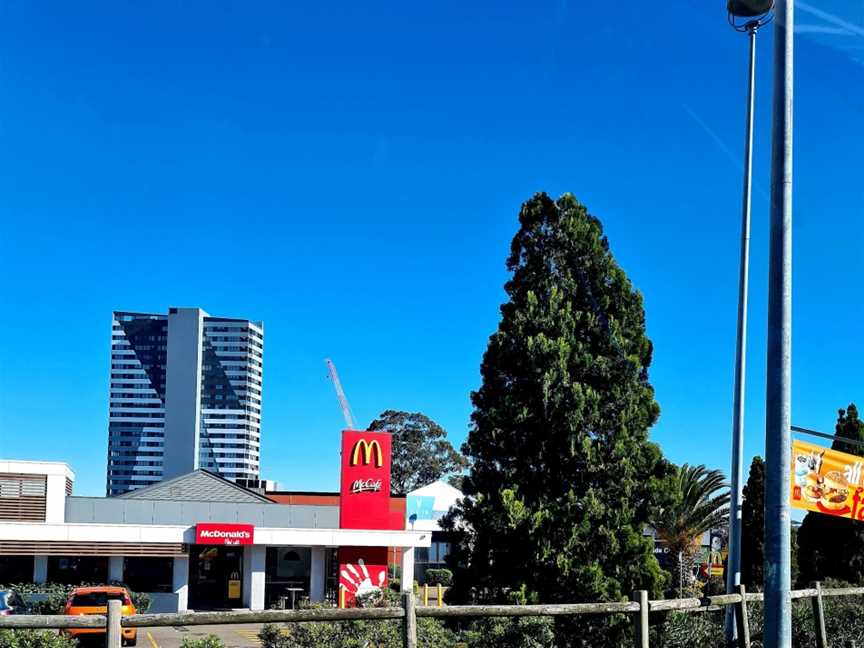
[[364, 503]]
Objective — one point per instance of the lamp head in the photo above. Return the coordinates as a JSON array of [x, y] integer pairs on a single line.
[[749, 8]]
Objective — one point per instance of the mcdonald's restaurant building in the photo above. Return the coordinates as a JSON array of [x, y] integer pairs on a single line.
[[201, 542]]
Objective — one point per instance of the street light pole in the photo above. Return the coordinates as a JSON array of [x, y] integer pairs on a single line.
[[733, 566], [744, 16], [778, 606]]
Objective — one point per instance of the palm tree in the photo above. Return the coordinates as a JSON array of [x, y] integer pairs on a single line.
[[699, 503]]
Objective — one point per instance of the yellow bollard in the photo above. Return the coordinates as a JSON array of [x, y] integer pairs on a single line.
[[341, 597], [426, 595], [440, 595]]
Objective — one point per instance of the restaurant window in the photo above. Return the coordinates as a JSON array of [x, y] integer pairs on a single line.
[[287, 573], [15, 569], [75, 570], [148, 574]]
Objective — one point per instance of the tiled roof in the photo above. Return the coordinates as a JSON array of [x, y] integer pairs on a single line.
[[197, 486]]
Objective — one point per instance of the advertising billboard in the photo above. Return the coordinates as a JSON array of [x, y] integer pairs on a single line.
[[827, 481]]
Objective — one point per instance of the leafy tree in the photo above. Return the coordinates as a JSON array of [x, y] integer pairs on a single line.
[[421, 452], [700, 504], [563, 478], [830, 546], [753, 526]]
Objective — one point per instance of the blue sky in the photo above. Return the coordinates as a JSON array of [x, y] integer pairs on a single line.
[[351, 174]]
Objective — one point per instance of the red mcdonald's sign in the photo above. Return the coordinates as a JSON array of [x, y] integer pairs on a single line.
[[364, 501], [224, 534]]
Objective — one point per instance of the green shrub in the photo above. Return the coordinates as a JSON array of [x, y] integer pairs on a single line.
[[691, 630], [372, 598], [210, 641], [431, 633], [439, 577], [34, 639], [524, 632], [141, 601]]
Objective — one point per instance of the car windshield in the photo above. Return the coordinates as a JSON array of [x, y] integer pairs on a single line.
[[96, 599]]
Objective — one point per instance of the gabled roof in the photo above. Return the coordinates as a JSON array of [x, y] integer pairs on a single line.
[[198, 486], [438, 489]]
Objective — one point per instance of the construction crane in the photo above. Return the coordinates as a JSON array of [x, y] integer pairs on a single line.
[[340, 394]]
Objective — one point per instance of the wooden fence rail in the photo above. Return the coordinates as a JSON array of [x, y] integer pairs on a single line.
[[639, 607]]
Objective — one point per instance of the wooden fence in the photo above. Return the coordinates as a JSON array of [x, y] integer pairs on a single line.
[[639, 607]]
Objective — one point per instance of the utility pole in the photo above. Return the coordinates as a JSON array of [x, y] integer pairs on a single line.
[[778, 435], [754, 16]]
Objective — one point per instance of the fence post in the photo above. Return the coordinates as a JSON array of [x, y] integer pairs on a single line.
[[742, 622], [440, 595], [640, 623], [409, 624], [113, 633], [819, 617]]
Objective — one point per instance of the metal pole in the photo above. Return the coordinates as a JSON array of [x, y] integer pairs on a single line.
[[778, 619], [733, 567]]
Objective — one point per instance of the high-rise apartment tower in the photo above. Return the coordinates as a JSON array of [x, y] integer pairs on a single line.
[[185, 394]]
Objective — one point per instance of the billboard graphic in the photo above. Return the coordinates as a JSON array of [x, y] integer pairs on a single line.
[[827, 481], [362, 570]]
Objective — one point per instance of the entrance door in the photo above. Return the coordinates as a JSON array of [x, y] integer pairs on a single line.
[[215, 577]]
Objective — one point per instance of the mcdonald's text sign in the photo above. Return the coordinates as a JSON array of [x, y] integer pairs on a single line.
[[364, 501]]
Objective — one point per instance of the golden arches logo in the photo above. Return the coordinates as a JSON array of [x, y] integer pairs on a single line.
[[367, 447]]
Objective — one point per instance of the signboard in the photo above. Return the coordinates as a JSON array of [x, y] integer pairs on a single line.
[[827, 481], [714, 555], [362, 571], [234, 586], [364, 501], [224, 534]]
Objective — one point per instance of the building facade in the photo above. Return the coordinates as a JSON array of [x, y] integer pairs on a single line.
[[185, 393], [197, 541]]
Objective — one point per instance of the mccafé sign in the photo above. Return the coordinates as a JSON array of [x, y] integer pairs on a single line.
[[224, 534], [364, 501], [366, 486]]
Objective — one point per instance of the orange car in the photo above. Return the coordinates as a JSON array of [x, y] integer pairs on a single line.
[[94, 600]]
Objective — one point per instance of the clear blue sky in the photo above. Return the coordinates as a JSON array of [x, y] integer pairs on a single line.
[[351, 173]]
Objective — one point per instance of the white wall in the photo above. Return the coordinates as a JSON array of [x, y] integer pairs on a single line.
[[407, 568], [181, 582], [254, 566]]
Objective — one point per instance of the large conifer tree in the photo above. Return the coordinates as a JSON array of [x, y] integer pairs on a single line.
[[753, 527], [563, 478]]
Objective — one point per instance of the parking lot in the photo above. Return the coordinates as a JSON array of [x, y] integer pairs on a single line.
[[233, 636]]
